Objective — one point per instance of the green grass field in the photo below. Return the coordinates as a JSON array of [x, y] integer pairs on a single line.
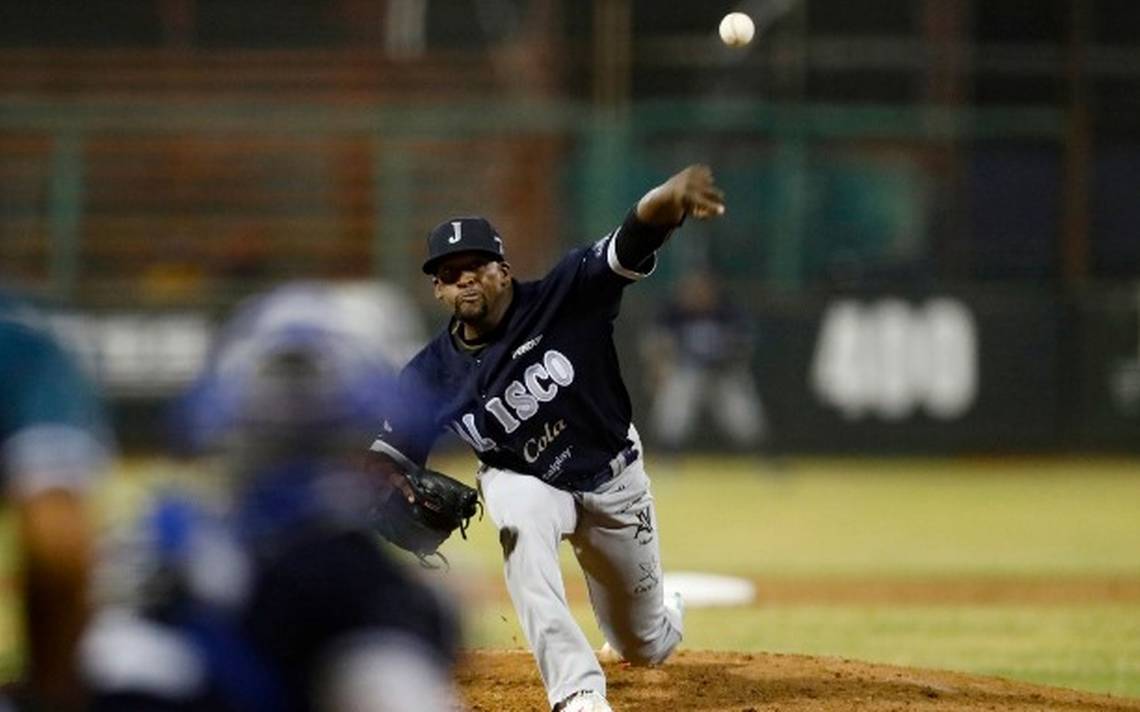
[[1068, 532], [1027, 569]]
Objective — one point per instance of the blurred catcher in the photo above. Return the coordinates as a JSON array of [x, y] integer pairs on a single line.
[[527, 375], [278, 597], [52, 443]]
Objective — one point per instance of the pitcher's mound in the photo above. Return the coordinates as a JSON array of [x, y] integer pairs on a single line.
[[698, 681]]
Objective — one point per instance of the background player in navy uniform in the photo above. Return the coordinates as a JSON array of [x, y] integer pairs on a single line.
[[527, 374], [52, 443], [699, 361], [277, 596]]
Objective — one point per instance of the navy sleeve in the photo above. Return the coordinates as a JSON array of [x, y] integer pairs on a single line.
[[410, 429], [602, 270], [593, 278], [636, 243]]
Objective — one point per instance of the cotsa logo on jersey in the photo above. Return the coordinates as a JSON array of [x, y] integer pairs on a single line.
[[526, 347], [521, 399]]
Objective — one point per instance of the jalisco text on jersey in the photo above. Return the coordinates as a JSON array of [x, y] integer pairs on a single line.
[[521, 400]]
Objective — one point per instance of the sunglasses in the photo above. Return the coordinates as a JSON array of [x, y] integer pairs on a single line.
[[450, 273]]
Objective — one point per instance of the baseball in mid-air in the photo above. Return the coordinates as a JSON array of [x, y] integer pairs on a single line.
[[737, 29]]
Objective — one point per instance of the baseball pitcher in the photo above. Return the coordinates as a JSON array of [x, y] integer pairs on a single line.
[[526, 373]]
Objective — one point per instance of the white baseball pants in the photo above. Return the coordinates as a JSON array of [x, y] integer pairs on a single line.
[[614, 535]]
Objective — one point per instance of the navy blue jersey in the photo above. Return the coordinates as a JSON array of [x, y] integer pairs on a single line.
[[545, 396]]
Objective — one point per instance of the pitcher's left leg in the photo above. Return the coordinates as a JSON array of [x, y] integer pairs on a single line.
[[617, 545]]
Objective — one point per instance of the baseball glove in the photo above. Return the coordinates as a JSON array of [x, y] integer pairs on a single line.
[[442, 505]]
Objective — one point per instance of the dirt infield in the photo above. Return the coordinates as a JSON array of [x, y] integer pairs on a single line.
[[507, 681]]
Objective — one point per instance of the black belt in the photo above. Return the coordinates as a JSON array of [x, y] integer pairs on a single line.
[[591, 483]]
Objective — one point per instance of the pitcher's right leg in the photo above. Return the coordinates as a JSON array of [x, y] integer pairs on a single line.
[[532, 518]]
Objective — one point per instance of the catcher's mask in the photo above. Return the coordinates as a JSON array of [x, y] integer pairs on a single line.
[[286, 372]]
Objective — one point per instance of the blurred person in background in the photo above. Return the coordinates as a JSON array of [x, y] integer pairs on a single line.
[[53, 443], [274, 594], [699, 361]]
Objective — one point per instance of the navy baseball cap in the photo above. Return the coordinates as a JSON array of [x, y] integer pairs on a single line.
[[469, 234]]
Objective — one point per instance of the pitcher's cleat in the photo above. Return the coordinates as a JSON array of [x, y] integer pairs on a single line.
[[583, 701], [607, 654]]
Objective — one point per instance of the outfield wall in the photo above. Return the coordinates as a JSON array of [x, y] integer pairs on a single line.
[[946, 371], [870, 371]]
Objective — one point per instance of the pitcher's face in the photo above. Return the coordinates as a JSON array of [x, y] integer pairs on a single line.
[[471, 285]]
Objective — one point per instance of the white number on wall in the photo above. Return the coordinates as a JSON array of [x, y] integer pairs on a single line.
[[889, 358]]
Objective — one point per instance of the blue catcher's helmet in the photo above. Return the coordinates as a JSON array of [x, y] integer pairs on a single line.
[[290, 366]]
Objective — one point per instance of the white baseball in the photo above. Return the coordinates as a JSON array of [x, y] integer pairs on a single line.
[[737, 29]]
